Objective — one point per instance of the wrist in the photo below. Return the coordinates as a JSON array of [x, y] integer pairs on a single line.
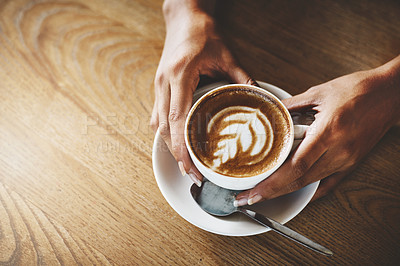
[[389, 75], [188, 21], [176, 9]]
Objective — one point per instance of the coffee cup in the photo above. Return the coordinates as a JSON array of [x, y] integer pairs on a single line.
[[238, 135]]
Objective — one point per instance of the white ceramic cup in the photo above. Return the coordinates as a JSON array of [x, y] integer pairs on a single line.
[[297, 133]]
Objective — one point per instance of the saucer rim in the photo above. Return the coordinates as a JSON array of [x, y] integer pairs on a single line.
[[164, 192]]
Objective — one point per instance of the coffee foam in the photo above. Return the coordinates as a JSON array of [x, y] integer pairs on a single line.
[[239, 132]]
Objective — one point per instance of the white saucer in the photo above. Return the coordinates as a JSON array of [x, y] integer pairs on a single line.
[[175, 189]]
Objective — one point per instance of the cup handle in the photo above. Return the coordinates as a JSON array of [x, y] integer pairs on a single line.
[[299, 133]]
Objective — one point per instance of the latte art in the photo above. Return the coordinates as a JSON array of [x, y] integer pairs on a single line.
[[244, 132], [239, 131]]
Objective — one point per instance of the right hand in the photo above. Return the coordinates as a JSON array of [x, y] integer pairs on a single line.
[[192, 48]]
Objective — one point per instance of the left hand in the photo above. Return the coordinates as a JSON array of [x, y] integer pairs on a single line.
[[192, 48], [353, 114]]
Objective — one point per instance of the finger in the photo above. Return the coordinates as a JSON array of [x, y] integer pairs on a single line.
[[242, 198], [301, 101], [330, 169], [316, 172], [328, 183], [324, 167], [238, 75], [295, 167], [163, 103], [154, 117], [181, 101]]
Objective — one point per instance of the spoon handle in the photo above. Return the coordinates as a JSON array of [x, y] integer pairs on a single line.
[[285, 231]]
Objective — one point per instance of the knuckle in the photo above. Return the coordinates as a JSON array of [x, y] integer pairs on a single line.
[[177, 149], [180, 65], [159, 80], [296, 185], [300, 167], [348, 155], [342, 124], [338, 122], [313, 90], [153, 123], [274, 189], [316, 92], [164, 129], [175, 115], [349, 162]]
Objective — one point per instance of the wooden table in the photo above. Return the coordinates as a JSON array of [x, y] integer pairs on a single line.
[[76, 94]]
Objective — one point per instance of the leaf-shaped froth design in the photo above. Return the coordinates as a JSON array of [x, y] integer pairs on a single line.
[[241, 133]]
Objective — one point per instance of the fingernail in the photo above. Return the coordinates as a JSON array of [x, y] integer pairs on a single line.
[[241, 202], [256, 198], [195, 179], [254, 83], [181, 168]]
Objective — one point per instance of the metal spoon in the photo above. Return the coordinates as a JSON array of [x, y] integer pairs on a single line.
[[218, 201]]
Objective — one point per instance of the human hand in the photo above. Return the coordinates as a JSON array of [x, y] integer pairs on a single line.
[[192, 48], [353, 113]]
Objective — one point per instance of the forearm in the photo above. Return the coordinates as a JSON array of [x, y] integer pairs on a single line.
[[174, 7], [390, 74], [391, 70]]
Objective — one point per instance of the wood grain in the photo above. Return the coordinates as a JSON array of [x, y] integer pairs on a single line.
[[76, 93]]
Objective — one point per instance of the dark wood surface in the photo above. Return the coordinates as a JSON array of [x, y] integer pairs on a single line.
[[76, 93]]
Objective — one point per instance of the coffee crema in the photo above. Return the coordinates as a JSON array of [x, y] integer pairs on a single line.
[[239, 131]]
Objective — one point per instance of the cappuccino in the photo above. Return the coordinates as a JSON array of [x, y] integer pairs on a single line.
[[239, 131]]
